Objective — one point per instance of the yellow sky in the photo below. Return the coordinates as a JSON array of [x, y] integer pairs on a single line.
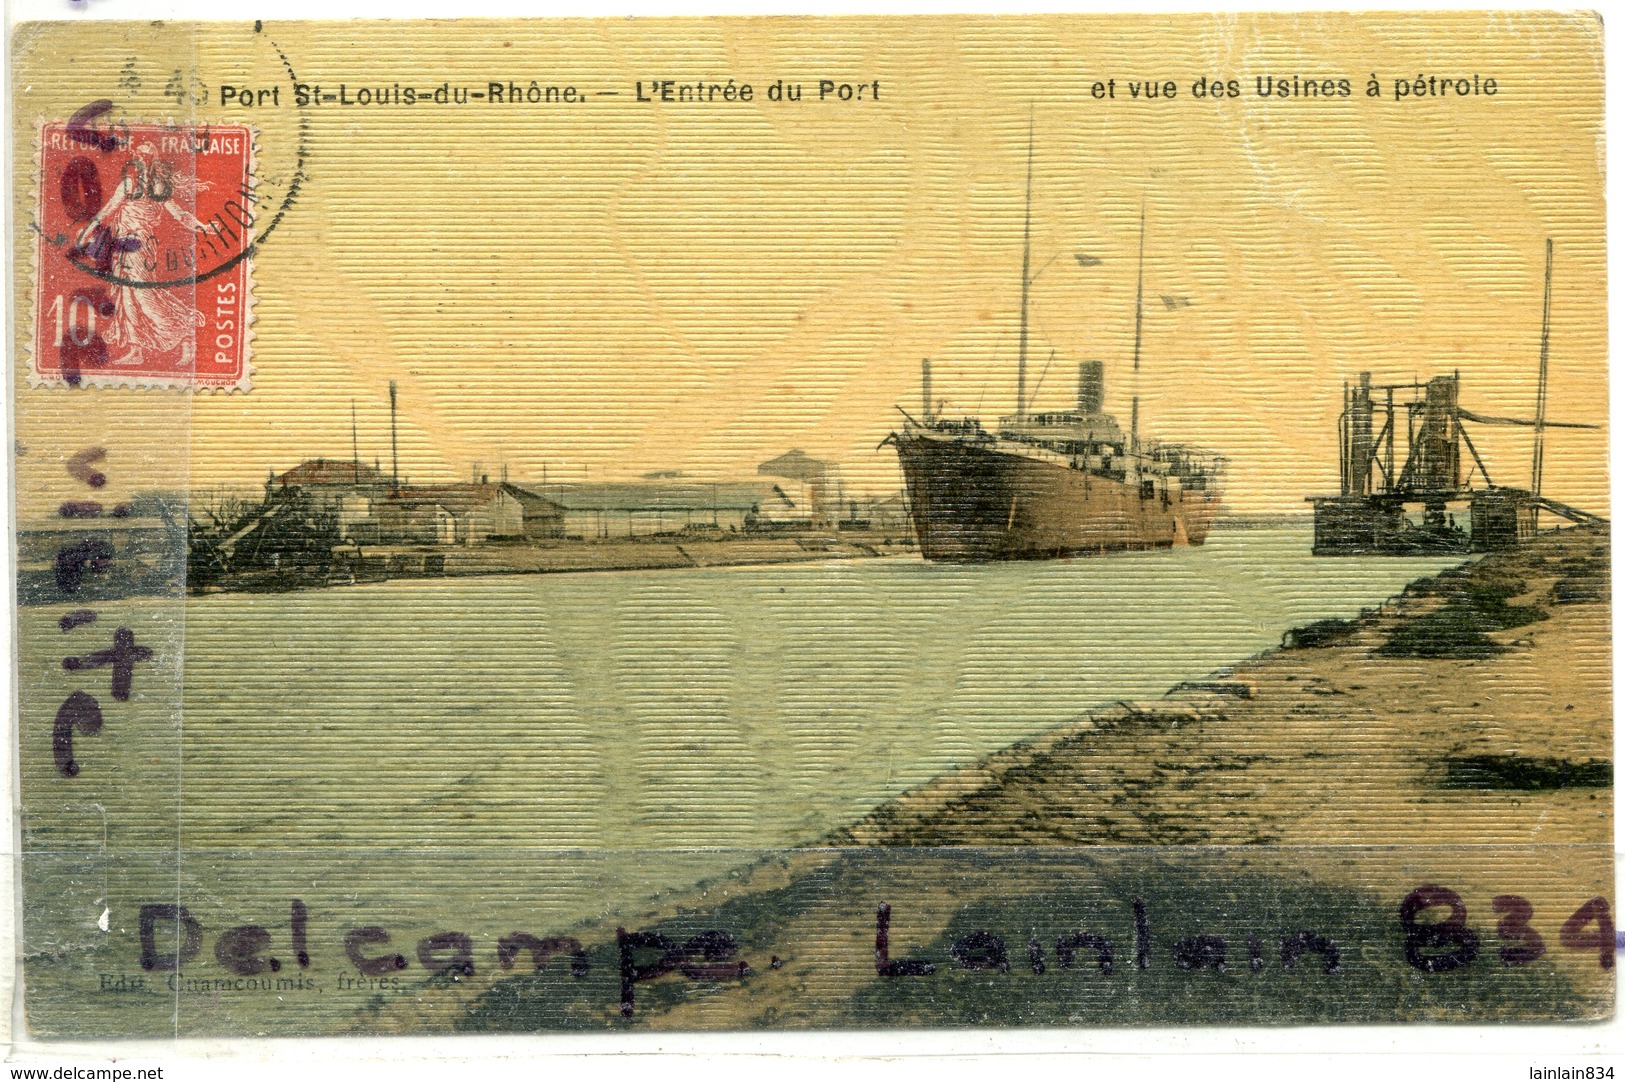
[[613, 287]]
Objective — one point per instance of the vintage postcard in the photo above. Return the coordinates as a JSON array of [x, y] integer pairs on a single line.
[[701, 524]]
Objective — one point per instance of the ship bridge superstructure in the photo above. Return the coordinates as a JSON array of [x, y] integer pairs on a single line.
[[1085, 439]]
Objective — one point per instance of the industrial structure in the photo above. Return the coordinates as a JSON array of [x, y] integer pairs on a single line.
[[1437, 499]]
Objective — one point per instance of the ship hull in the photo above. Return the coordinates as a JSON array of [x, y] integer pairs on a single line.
[[976, 504]]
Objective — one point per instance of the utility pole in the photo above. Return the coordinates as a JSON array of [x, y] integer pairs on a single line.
[[1540, 391], [394, 451]]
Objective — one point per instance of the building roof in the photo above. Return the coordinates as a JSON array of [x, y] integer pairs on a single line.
[[533, 502], [650, 496], [325, 471], [459, 499], [797, 465]]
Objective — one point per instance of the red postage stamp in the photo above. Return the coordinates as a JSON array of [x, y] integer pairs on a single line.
[[145, 239]]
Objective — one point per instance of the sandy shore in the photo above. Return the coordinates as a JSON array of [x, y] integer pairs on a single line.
[[1348, 742]]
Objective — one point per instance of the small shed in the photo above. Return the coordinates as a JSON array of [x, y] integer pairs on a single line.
[[542, 518]]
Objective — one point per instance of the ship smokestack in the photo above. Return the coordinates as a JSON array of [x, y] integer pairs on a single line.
[[1091, 387], [925, 389]]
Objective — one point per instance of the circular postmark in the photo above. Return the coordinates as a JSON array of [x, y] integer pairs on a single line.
[[147, 229], [232, 216]]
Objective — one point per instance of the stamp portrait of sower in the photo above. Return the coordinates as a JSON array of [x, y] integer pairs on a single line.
[[146, 319]]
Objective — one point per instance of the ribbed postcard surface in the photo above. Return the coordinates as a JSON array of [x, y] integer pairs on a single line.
[[811, 523]]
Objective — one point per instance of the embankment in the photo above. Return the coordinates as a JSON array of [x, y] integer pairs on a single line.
[[1474, 708], [651, 554]]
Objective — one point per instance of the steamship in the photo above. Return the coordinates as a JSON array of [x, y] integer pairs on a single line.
[[1045, 485]]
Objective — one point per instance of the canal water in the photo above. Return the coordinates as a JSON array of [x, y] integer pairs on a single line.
[[736, 708]]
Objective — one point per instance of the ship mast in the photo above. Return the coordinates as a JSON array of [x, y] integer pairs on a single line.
[[1139, 320], [1026, 280]]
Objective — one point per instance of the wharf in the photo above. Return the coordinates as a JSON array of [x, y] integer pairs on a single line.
[[377, 563]]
